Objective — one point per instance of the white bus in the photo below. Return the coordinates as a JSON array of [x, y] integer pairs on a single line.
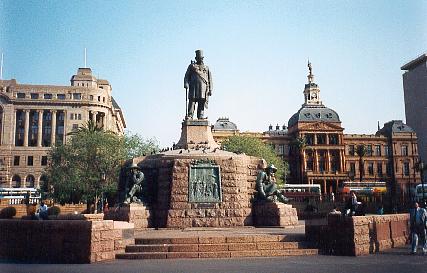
[[418, 194], [15, 196], [301, 192]]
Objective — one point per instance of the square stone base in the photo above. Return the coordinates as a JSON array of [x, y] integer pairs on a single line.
[[274, 214], [196, 133], [138, 214]]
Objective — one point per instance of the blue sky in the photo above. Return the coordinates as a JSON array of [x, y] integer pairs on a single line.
[[257, 52]]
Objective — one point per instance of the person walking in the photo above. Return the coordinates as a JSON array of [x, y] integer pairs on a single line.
[[418, 222]]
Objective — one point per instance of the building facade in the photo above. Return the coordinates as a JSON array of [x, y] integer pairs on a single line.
[[34, 118], [415, 94], [319, 152]]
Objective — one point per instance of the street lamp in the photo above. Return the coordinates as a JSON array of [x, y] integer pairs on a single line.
[[421, 167]]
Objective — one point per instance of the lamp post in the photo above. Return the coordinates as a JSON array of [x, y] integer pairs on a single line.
[[422, 166]]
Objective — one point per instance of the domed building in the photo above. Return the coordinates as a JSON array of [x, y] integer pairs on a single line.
[[317, 148], [318, 152]]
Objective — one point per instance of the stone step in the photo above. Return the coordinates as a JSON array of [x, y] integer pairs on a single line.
[[221, 239], [218, 254], [213, 247]]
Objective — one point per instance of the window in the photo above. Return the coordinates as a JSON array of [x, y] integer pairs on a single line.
[[406, 168], [309, 139], [61, 96], [99, 98], [333, 139], [371, 168], [16, 160], [47, 96], [380, 169], [20, 128], [386, 150], [351, 149], [44, 160], [404, 149], [79, 116], [103, 99], [34, 96], [321, 139], [71, 116], [281, 149], [352, 171], [322, 161], [20, 95], [369, 150], [378, 150], [75, 127], [29, 181], [30, 160], [77, 96], [91, 97]]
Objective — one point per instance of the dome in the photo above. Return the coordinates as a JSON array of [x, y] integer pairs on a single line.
[[224, 124], [314, 114]]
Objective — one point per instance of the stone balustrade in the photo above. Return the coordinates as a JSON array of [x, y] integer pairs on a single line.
[[358, 235]]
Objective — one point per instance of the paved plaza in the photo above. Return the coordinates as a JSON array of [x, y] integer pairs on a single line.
[[396, 260]]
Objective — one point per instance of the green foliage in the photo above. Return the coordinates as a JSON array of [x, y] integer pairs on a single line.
[[137, 146], [53, 210], [87, 165], [7, 213], [255, 147], [361, 152]]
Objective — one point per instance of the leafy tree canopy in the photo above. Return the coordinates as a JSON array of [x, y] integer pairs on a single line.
[[89, 163], [255, 147], [137, 146]]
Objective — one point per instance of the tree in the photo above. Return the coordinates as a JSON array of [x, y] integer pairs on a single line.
[[137, 146], [361, 152], [87, 165], [255, 147], [300, 144]]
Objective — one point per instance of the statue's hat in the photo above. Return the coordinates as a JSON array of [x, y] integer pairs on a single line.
[[199, 53], [133, 166], [272, 168]]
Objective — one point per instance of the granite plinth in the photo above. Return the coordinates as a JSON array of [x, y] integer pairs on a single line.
[[274, 214], [196, 134]]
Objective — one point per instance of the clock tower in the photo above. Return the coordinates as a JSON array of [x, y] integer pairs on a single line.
[[311, 90]]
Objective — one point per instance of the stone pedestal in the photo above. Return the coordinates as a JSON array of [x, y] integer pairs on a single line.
[[274, 214], [196, 133], [138, 214], [169, 183]]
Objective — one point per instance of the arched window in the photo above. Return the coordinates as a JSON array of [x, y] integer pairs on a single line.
[[16, 181], [29, 181]]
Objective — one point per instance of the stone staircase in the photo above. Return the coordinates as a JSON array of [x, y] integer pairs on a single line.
[[217, 247]]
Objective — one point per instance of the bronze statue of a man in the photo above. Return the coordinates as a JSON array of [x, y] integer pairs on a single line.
[[266, 185], [135, 193], [198, 84]]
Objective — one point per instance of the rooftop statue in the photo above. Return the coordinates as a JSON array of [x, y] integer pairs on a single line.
[[198, 86]]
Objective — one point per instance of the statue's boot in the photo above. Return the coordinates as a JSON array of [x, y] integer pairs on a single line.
[[282, 198]]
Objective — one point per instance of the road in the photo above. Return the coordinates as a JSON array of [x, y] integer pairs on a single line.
[[395, 260]]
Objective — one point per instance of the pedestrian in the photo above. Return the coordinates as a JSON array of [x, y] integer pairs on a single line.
[[418, 222], [380, 210], [332, 197], [43, 211], [352, 204]]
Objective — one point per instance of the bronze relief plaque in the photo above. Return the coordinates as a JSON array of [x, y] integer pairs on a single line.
[[204, 182]]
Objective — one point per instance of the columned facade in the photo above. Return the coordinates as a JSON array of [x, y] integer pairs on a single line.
[[34, 118]]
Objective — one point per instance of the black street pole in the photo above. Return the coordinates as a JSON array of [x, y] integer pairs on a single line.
[[422, 179]]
